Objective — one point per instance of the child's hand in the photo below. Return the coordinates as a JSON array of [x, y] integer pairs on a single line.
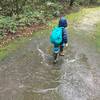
[[66, 45]]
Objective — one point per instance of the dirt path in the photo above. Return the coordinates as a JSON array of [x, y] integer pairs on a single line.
[[28, 74], [88, 22], [85, 65]]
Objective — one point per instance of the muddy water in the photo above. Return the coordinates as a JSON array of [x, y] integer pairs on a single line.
[[29, 74]]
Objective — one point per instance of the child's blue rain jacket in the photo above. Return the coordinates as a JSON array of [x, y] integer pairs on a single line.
[[63, 23]]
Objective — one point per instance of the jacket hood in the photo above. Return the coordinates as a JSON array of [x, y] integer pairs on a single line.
[[62, 22]]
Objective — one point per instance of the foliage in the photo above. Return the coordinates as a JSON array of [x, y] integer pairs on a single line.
[[7, 24], [28, 14], [10, 7], [16, 13]]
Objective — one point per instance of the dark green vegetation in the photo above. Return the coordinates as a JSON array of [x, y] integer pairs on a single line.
[[19, 13]]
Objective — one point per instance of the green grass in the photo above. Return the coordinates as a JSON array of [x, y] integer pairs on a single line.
[[13, 46], [97, 37], [77, 16]]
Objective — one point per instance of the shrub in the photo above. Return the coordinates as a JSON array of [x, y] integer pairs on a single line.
[[54, 8], [7, 24], [33, 12]]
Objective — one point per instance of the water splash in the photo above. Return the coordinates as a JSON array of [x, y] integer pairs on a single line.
[[44, 90], [43, 55]]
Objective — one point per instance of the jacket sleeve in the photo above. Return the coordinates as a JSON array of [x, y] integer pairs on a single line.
[[65, 37]]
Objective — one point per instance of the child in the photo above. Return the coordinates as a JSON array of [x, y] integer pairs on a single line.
[[59, 38], [63, 23]]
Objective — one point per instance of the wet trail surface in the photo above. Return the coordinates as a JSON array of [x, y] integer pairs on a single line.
[[28, 73]]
